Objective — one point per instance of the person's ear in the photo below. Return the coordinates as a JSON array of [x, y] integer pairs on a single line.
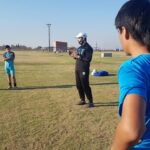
[[125, 33]]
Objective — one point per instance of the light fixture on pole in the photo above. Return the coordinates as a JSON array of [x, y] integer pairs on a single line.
[[49, 39]]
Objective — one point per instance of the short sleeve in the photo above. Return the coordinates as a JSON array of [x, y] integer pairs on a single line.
[[13, 55], [131, 81]]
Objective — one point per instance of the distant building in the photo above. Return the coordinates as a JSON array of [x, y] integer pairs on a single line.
[[60, 46]]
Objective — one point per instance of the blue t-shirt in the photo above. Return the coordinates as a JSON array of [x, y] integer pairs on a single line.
[[134, 78], [10, 62]]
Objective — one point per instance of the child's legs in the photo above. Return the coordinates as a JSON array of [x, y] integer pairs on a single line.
[[7, 71], [14, 80], [13, 77], [9, 79]]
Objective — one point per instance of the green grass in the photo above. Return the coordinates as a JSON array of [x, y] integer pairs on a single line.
[[42, 114]]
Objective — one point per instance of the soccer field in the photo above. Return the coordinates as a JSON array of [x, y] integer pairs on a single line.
[[42, 113]]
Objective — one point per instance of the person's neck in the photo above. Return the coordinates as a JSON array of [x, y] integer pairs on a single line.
[[137, 49], [84, 43]]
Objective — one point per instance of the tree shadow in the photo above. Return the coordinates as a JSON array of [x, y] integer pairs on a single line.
[[104, 83], [54, 86], [44, 87], [106, 104], [112, 74]]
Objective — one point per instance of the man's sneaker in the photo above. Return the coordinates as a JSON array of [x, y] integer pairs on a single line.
[[91, 105], [15, 88], [10, 88], [82, 103]]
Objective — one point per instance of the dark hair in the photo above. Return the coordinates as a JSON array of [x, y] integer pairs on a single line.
[[134, 15], [7, 47]]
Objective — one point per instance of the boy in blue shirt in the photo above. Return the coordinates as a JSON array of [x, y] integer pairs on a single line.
[[9, 57], [133, 24]]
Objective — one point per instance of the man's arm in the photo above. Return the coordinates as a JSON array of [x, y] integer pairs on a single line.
[[132, 125], [88, 55], [5, 58], [9, 58], [13, 57]]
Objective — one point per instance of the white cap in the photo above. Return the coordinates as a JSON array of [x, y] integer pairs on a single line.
[[84, 35]]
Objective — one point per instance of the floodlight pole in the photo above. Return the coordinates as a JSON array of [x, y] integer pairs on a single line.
[[96, 48], [49, 40]]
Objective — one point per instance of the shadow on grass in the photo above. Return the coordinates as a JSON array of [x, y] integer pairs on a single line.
[[55, 86], [106, 104], [112, 74], [44, 87], [103, 83]]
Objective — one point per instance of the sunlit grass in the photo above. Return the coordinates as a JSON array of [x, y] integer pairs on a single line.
[[42, 114]]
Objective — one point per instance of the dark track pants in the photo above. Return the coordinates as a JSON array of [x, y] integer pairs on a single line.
[[82, 84]]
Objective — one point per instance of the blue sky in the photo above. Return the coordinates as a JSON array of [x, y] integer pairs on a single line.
[[24, 21]]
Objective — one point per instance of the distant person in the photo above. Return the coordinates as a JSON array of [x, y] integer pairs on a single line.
[[133, 24], [9, 57], [83, 58]]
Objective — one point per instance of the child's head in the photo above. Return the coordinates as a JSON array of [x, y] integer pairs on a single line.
[[134, 19], [7, 48]]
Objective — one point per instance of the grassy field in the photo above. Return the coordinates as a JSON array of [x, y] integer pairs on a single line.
[[42, 113]]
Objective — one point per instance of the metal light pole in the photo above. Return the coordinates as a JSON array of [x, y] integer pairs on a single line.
[[49, 40], [96, 48]]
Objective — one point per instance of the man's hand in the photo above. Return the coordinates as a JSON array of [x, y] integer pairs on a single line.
[[73, 53]]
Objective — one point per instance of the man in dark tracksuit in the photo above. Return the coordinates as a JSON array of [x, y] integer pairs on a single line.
[[83, 59]]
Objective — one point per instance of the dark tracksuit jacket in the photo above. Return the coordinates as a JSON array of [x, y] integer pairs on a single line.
[[82, 70]]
